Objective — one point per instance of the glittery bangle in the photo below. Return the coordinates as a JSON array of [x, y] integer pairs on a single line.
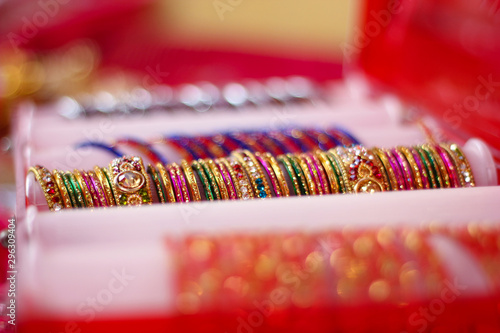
[[221, 185], [166, 182], [157, 183], [49, 187], [301, 177], [322, 139], [215, 150], [299, 139], [71, 190], [342, 170], [440, 170], [211, 178], [145, 148], [338, 169], [182, 149], [176, 182], [103, 176], [83, 187], [449, 164], [388, 172], [268, 143], [405, 168], [414, 167], [226, 176], [99, 188], [346, 139], [289, 146], [331, 175], [253, 169], [310, 174], [191, 180], [398, 172], [182, 182], [66, 200], [365, 174], [91, 187], [433, 183], [462, 164], [130, 181], [207, 188], [270, 172], [75, 188], [242, 180], [325, 189], [285, 191], [250, 142], [291, 174]]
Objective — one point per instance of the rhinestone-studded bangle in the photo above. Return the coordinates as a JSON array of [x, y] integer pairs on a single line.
[[130, 182], [49, 187]]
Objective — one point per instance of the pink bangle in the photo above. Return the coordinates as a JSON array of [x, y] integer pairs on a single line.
[[450, 166], [99, 189], [421, 168], [182, 182], [270, 173], [397, 170], [405, 169], [175, 182], [91, 187], [321, 173], [227, 179]]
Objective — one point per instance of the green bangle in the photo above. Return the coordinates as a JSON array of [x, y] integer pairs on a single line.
[[300, 174], [211, 179], [74, 191], [157, 184], [339, 169], [431, 170], [204, 180], [329, 164], [291, 174], [106, 174]]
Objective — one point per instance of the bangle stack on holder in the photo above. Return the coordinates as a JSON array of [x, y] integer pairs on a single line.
[[246, 175]]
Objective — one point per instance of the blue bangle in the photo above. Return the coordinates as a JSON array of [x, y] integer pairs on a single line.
[[101, 145]]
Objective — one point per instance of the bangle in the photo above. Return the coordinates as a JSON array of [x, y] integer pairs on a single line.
[[301, 177], [415, 167], [207, 188], [144, 148], [342, 170], [396, 167], [429, 167], [449, 164], [130, 181], [365, 175], [110, 149], [439, 167], [167, 183], [242, 180], [157, 184], [83, 187], [270, 172], [253, 169], [66, 200], [289, 145], [338, 172], [191, 180], [221, 185], [405, 169], [176, 182], [285, 191], [462, 164], [250, 143], [102, 176], [331, 175], [49, 187], [291, 174], [97, 196], [226, 176], [388, 172], [183, 150], [99, 188], [211, 179], [321, 175], [182, 182], [76, 190], [216, 150], [310, 174]]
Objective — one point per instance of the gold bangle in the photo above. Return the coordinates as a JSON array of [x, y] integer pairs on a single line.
[[388, 171], [285, 191], [323, 179], [87, 196], [182, 182], [268, 170], [406, 169], [300, 174], [228, 179], [96, 184], [211, 179], [105, 179], [205, 183], [224, 194], [62, 188], [49, 187], [193, 185], [462, 164], [330, 173], [130, 182], [157, 183], [167, 183], [310, 174], [365, 173], [443, 176], [429, 167], [291, 174], [253, 169], [240, 179], [415, 170], [343, 172]]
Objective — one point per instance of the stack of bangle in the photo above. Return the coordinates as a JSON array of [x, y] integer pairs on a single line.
[[246, 175], [220, 145]]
